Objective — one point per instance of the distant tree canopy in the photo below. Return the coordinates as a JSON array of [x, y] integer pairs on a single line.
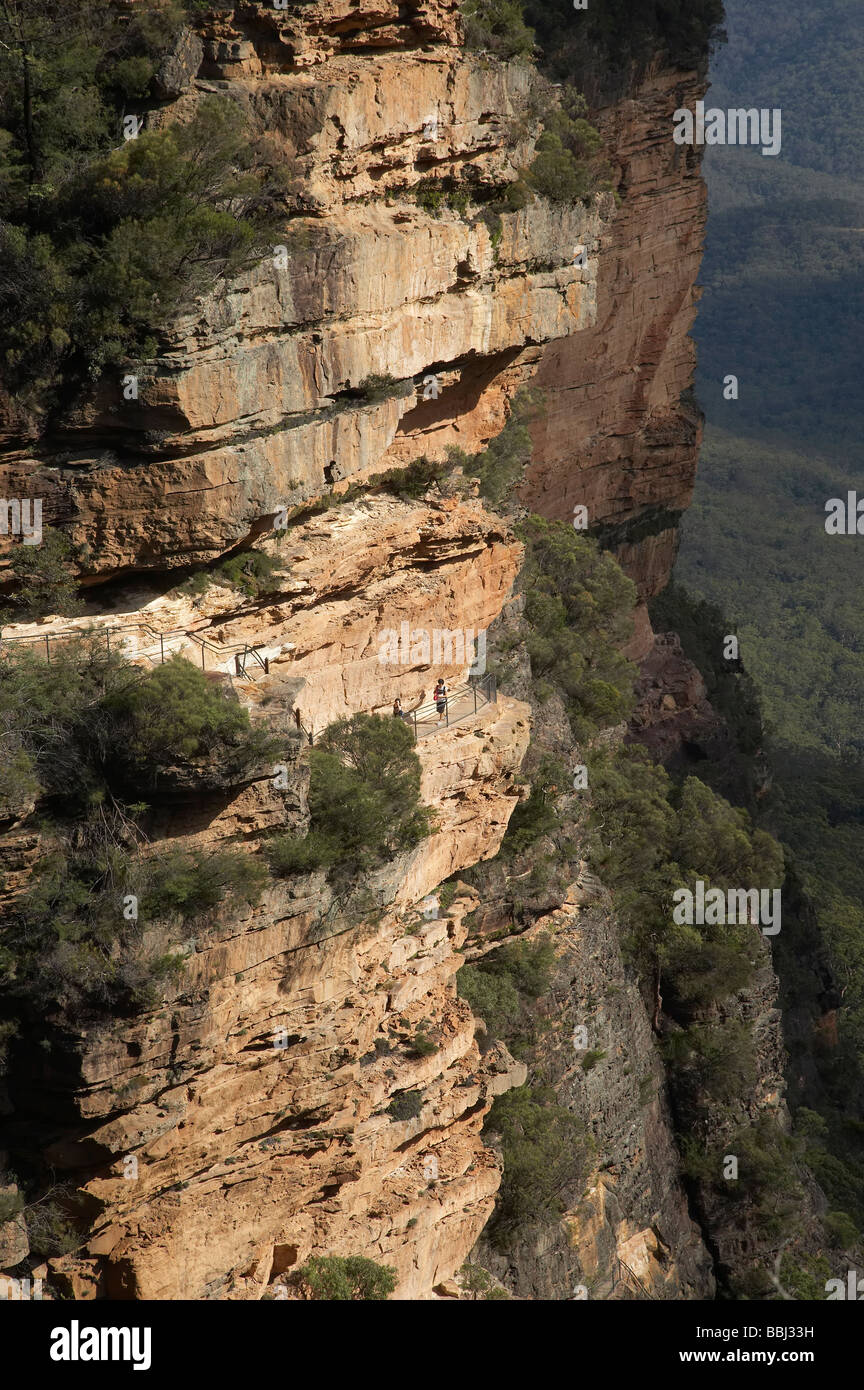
[[105, 238], [598, 46], [651, 837]]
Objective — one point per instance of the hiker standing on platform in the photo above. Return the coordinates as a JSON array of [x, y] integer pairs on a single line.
[[439, 695]]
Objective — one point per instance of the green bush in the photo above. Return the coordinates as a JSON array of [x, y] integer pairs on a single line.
[[605, 43], [841, 1230], [502, 463], [46, 581], [69, 940], [288, 855], [547, 1157], [54, 716], [421, 1045], [380, 386], [175, 714], [711, 1062], [189, 885], [565, 167], [338, 1279], [364, 800], [406, 1106], [492, 997], [87, 725], [578, 609], [537, 817], [655, 840], [497, 27], [415, 479], [501, 987], [431, 196], [98, 258], [250, 571]]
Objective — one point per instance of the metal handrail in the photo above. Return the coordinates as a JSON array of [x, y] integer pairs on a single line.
[[619, 1265], [169, 642], [486, 688]]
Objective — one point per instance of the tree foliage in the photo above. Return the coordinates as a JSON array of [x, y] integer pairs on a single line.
[[88, 726], [547, 1154], [344, 1279], [364, 800], [578, 607], [105, 240]]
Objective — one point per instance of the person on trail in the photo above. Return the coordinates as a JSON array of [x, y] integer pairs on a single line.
[[398, 711], [439, 695]]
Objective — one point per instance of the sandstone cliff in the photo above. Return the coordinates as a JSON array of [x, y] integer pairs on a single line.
[[223, 1137]]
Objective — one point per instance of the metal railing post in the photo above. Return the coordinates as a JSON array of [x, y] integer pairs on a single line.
[[474, 688], [48, 648], [162, 647]]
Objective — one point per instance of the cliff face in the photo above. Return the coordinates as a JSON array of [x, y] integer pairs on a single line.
[[244, 1125], [629, 1233], [223, 1137], [257, 403], [620, 433]]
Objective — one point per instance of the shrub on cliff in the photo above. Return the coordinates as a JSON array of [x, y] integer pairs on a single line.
[[250, 571], [406, 1106], [364, 800], [46, 582], [710, 1062], [604, 43], [343, 1279], [381, 386], [87, 726], [53, 715], [539, 816], [650, 838], [565, 166], [502, 464], [188, 885], [769, 1185], [497, 27], [174, 714], [502, 988], [578, 608], [547, 1155], [75, 938]]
